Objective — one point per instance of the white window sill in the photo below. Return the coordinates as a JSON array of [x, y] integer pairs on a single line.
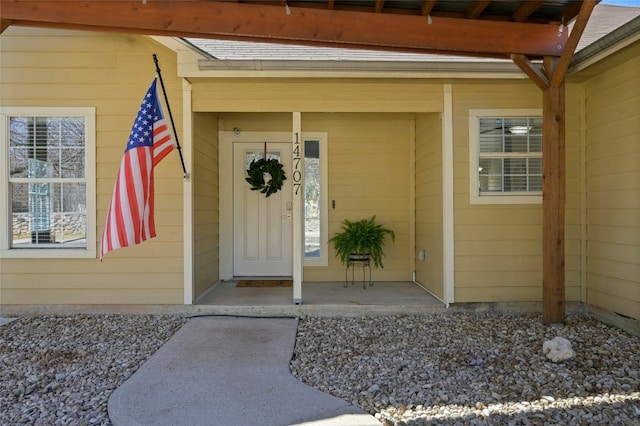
[[47, 254], [506, 199]]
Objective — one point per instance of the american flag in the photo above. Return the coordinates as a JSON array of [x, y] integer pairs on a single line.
[[130, 216]]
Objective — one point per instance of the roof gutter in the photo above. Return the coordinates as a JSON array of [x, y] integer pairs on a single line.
[[616, 40]]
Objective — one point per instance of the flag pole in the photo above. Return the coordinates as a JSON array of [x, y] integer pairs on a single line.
[[166, 100]]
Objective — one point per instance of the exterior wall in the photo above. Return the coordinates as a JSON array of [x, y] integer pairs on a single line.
[[498, 248], [206, 201], [428, 215], [385, 156], [316, 95], [574, 205], [612, 103], [255, 122], [111, 72], [370, 173]]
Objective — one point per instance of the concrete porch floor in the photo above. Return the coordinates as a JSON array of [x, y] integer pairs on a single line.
[[321, 298]]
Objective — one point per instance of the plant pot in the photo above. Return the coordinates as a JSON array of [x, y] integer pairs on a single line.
[[359, 257], [361, 240]]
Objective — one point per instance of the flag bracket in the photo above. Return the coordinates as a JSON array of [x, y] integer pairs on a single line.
[[186, 175]]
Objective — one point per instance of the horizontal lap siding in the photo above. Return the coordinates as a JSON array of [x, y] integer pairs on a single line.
[[368, 171], [111, 72], [255, 122], [317, 95], [206, 199], [429, 218], [498, 248], [613, 185], [369, 174], [94, 296]]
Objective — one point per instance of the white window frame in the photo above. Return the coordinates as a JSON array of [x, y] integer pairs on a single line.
[[474, 158], [323, 260], [89, 114]]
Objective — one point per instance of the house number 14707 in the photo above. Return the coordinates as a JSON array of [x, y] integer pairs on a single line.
[[297, 165]]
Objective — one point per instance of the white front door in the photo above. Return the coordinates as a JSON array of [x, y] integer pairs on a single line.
[[262, 226]]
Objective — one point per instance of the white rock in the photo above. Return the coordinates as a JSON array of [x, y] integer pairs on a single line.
[[558, 349]]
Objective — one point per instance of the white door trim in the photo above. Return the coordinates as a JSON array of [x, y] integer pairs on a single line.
[[187, 195], [448, 197], [226, 140], [298, 207]]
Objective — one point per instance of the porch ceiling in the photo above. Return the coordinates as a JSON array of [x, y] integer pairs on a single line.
[[498, 28]]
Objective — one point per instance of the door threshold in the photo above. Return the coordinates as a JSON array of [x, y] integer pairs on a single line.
[[259, 277]]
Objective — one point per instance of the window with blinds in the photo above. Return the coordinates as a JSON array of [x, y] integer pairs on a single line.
[[49, 185], [506, 158], [510, 159]]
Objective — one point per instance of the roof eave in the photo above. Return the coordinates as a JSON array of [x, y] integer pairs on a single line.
[[358, 69], [616, 40]]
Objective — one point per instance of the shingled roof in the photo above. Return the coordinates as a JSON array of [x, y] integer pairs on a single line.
[[604, 20]]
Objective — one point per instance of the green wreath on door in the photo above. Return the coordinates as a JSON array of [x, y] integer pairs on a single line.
[[256, 176]]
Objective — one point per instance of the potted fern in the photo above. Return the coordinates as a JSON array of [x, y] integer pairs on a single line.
[[360, 240]]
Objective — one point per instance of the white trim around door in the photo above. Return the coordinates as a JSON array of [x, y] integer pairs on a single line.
[[226, 141]]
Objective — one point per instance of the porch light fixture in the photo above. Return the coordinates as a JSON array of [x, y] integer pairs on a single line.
[[519, 130]]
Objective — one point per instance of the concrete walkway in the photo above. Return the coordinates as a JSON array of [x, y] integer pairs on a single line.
[[228, 371]]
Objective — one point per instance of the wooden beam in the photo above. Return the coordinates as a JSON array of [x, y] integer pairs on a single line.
[[578, 28], [4, 24], [529, 69], [476, 8], [263, 22], [553, 205], [427, 7], [571, 11], [525, 9], [549, 66]]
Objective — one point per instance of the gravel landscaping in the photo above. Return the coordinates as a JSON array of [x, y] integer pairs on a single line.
[[62, 370], [454, 368], [473, 369]]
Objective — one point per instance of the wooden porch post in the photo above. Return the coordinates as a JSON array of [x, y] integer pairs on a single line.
[[553, 204], [551, 79]]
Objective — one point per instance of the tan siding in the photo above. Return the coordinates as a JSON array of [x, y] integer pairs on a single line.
[[498, 294], [612, 302], [206, 200], [79, 281], [498, 247], [256, 122], [307, 95], [429, 219], [369, 174], [111, 72], [20, 267], [368, 163], [613, 184], [62, 296]]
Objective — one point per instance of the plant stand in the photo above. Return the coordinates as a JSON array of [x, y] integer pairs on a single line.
[[357, 259]]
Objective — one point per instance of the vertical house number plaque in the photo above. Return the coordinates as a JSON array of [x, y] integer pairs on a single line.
[[297, 165]]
